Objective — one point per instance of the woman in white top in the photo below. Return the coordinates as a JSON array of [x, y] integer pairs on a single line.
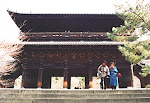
[[104, 73]]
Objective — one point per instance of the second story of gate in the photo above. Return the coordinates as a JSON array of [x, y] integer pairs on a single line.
[[66, 27]]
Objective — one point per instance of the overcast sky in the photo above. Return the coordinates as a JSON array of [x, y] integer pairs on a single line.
[[61, 6], [8, 28]]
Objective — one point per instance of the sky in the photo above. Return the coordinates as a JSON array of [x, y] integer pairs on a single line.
[[9, 31], [60, 6]]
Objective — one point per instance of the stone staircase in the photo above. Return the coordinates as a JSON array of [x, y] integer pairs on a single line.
[[74, 96]]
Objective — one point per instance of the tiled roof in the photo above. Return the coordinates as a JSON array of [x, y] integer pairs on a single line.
[[74, 43], [67, 22], [63, 13]]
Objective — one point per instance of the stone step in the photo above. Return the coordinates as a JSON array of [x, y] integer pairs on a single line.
[[78, 91], [90, 100], [74, 96], [70, 95]]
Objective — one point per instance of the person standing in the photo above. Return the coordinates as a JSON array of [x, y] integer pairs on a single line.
[[113, 75], [103, 72]]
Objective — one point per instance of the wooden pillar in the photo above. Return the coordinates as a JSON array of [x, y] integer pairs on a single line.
[[24, 73], [69, 82], [40, 73], [87, 82], [89, 77], [50, 82], [90, 74], [65, 83], [23, 84]]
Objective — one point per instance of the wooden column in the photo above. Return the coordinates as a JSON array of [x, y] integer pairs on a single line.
[[69, 82], [50, 82], [23, 84], [40, 73], [87, 82], [91, 79], [65, 83], [24, 73], [90, 74]]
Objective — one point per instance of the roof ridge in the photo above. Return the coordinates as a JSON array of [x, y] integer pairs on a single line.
[[61, 13]]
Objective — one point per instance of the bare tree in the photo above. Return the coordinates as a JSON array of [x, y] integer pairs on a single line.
[[9, 57], [9, 53]]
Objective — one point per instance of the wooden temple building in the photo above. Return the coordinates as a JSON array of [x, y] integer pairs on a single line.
[[68, 45]]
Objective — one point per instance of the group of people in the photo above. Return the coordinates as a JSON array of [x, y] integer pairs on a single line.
[[108, 75]]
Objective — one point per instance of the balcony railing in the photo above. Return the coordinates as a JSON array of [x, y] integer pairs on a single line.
[[42, 36]]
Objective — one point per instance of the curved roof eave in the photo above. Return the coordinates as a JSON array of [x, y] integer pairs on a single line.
[[74, 43], [67, 13]]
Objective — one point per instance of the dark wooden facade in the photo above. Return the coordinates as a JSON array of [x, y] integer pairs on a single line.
[[70, 61], [68, 45]]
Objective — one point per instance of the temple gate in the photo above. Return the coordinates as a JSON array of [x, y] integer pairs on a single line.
[[68, 45]]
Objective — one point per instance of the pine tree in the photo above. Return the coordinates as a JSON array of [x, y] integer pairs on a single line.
[[136, 25]]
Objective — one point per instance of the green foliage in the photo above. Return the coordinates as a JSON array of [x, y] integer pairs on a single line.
[[145, 70], [148, 86], [136, 24], [56, 78], [122, 38], [81, 81], [135, 52]]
